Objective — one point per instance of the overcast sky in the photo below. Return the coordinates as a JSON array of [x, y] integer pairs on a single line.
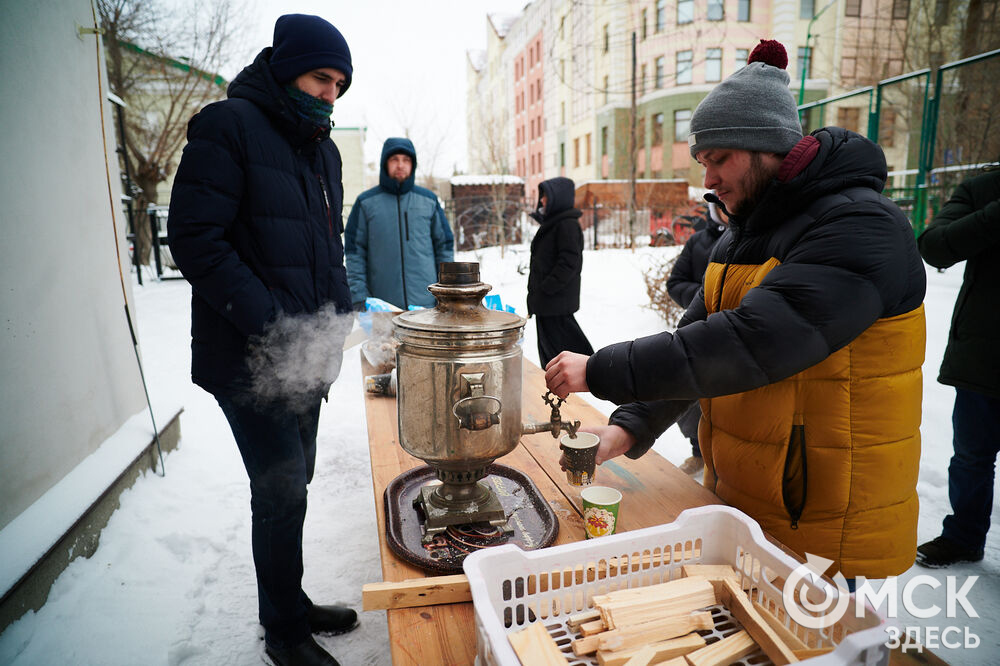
[[409, 66]]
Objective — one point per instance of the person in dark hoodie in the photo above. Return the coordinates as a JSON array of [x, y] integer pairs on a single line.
[[554, 276], [682, 286], [254, 225], [397, 234], [804, 344]]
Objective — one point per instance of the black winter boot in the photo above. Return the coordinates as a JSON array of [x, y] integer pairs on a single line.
[[331, 619], [306, 653], [942, 552]]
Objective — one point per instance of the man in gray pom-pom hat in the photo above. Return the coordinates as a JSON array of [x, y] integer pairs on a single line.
[[804, 343]]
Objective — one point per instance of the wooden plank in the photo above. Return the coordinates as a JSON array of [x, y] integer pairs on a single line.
[[592, 627], [790, 639], [723, 652], [653, 631], [698, 593], [731, 594], [665, 650], [575, 620], [416, 592], [802, 655], [710, 571], [533, 645]]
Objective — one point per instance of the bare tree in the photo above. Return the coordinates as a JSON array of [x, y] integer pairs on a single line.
[[162, 64]]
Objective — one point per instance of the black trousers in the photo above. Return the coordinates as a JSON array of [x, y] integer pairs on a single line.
[[278, 447], [558, 333]]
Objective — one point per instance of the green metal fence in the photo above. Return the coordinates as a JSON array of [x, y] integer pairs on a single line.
[[904, 115]]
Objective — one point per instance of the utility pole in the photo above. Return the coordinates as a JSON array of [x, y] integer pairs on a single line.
[[807, 56], [632, 155]]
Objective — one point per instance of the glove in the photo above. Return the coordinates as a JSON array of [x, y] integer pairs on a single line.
[[359, 306]]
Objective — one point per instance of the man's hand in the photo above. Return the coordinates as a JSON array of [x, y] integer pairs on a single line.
[[567, 373], [615, 441]]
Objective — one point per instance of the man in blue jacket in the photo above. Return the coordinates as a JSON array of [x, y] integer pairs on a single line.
[[396, 235], [255, 222]]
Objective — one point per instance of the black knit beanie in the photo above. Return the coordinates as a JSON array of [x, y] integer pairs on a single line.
[[303, 43], [751, 110]]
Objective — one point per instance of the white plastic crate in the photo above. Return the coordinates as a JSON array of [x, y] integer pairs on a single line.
[[512, 588]]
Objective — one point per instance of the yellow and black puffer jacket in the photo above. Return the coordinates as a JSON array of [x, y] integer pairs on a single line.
[[805, 349]]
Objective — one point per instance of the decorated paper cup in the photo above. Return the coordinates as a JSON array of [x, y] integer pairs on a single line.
[[580, 454], [600, 510]]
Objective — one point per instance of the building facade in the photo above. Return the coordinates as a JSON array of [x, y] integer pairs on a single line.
[[559, 78]]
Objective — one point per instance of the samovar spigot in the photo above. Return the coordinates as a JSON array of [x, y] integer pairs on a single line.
[[555, 424]]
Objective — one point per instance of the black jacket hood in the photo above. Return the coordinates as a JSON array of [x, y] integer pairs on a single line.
[[561, 193]]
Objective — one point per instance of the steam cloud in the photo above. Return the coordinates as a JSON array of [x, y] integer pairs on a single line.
[[298, 357]]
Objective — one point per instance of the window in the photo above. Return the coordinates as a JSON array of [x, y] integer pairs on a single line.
[[849, 118], [576, 152], [852, 8], [887, 128], [604, 141], [743, 11], [716, 10], [658, 78], [742, 55], [562, 113], [682, 125], [848, 67], [713, 65], [642, 80], [642, 24], [589, 142], [942, 9], [685, 11], [607, 37], [661, 15], [684, 67], [658, 130], [900, 9], [606, 92], [562, 154], [640, 132], [807, 9], [804, 62]]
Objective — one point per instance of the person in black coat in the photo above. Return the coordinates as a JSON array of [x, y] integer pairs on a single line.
[[683, 285], [554, 277], [968, 229], [255, 225]]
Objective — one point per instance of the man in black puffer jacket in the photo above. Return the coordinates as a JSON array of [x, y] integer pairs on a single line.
[[255, 224], [554, 278], [968, 229]]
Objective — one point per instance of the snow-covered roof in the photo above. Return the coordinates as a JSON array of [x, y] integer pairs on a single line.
[[477, 58], [502, 23], [486, 179]]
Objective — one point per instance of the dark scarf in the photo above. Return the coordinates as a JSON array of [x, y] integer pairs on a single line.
[[311, 108]]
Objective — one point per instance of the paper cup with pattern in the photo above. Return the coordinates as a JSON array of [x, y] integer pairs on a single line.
[[600, 510], [580, 455]]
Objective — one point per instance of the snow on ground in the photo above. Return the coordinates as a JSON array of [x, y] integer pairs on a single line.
[[173, 583]]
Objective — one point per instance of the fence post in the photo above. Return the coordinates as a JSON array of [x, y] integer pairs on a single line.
[[596, 243], [154, 227]]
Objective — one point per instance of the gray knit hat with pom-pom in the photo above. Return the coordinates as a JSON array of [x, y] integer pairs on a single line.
[[751, 110]]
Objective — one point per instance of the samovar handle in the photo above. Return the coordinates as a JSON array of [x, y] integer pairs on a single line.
[[474, 413]]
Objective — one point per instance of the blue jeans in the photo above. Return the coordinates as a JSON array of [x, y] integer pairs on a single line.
[[976, 424], [278, 447]]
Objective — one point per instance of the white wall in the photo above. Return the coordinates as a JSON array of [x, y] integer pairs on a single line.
[[68, 375]]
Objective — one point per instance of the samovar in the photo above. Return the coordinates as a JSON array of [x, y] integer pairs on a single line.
[[459, 397]]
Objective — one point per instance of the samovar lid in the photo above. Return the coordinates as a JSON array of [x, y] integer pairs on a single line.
[[459, 308]]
